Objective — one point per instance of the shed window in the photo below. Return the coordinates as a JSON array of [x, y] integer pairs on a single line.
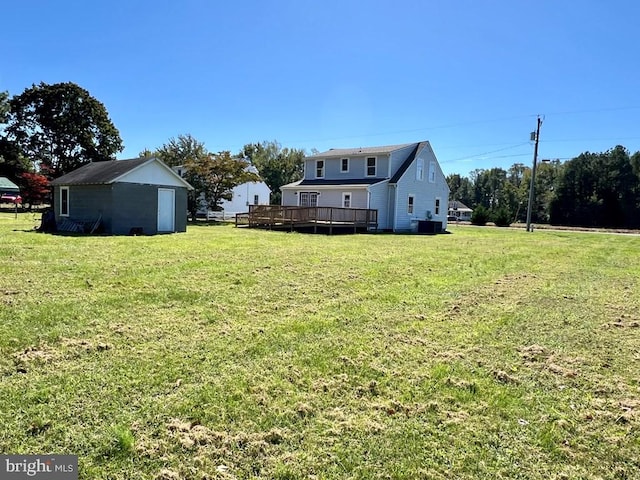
[[410, 205], [256, 199], [432, 172], [437, 206], [319, 168], [371, 166], [344, 165], [346, 200], [64, 201]]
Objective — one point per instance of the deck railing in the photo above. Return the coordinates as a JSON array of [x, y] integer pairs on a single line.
[[278, 216]]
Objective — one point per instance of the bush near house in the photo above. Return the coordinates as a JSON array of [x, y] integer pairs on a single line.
[[501, 217], [480, 215]]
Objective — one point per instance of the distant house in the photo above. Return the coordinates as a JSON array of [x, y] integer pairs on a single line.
[[460, 211], [250, 193], [404, 183], [141, 195]]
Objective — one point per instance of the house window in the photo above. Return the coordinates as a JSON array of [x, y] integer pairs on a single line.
[[344, 165], [319, 168], [432, 172], [64, 201], [346, 199], [420, 169], [256, 199], [371, 166], [308, 199], [437, 206], [410, 205]]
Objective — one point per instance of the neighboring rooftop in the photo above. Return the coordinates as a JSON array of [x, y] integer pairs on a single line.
[[7, 185]]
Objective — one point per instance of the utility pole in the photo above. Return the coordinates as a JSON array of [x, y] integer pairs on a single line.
[[533, 174]]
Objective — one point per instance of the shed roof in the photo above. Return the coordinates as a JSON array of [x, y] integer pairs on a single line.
[[102, 173]]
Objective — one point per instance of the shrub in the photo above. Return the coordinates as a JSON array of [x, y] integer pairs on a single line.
[[480, 215], [501, 217]]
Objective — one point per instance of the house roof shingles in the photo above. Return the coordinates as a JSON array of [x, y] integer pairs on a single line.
[[345, 152], [99, 173]]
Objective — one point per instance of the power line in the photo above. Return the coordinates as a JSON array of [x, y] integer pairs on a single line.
[[468, 157]]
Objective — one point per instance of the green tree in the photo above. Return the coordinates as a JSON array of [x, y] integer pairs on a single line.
[[597, 189], [213, 177], [62, 127], [277, 166], [461, 189], [4, 107], [12, 162], [480, 215], [179, 151], [146, 153]]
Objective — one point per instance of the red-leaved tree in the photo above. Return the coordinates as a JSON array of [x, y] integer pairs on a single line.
[[34, 189]]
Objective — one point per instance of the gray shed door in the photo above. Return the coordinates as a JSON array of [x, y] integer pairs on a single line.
[[166, 210]]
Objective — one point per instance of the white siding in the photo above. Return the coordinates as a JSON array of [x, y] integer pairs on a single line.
[[398, 157], [425, 194], [378, 200], [243, 196], [289, 198], [328, 197], [357, 167], [152, 174]]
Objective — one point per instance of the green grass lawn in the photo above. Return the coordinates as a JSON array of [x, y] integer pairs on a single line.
[[233, 353]]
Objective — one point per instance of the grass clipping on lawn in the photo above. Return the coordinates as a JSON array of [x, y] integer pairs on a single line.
[[233, 353]]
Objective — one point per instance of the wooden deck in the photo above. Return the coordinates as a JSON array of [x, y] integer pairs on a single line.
[[315, 219]]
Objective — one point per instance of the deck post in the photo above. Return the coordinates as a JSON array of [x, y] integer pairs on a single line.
[[331, 221]]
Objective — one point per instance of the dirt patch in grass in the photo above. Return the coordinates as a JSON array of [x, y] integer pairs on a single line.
[[540, 357], [44, 354]]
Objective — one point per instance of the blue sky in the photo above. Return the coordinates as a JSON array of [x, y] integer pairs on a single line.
[[468, 75]]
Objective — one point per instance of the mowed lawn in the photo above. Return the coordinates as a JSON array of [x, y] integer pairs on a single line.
[[233, 353]]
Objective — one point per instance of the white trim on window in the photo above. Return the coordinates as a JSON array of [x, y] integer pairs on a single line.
[[344, 162], [437, 206], [420, 169], [64, 201], [347, 199], [320, 168], [308, 199], [411, 202], [432, 172], [368, 169]]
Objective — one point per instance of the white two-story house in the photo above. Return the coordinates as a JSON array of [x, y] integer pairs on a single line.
[[404, 183]]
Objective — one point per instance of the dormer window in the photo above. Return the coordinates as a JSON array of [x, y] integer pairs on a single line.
[[319, 168], [371, 166], [344, 165]]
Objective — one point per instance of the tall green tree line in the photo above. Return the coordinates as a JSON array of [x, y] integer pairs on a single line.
[[592, 189]]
